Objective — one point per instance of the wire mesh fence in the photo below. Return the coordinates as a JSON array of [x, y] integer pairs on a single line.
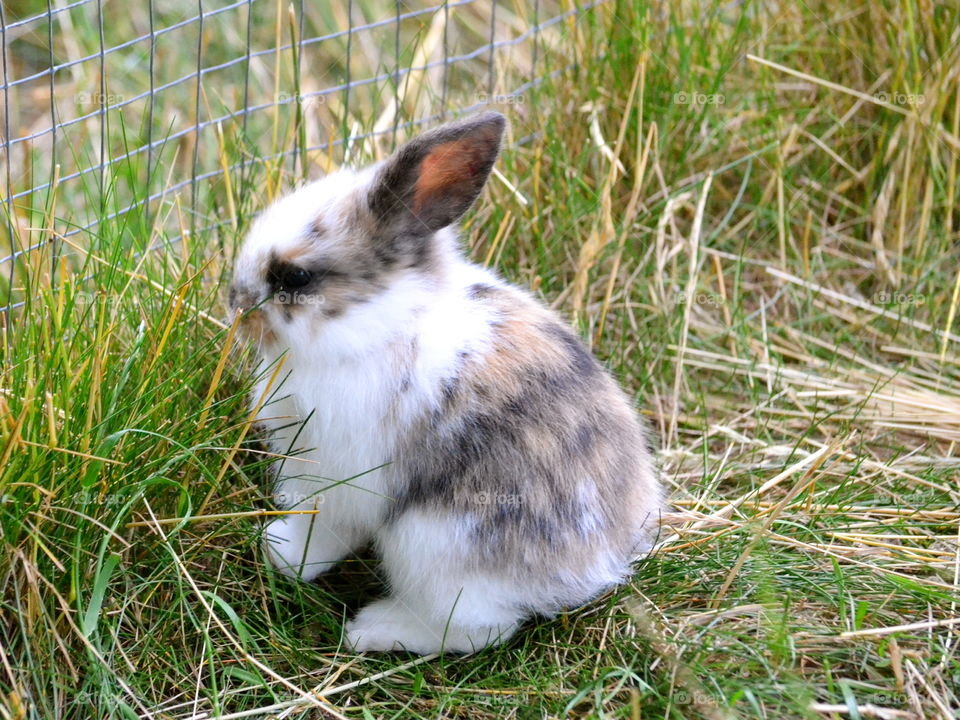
[[173, 118]]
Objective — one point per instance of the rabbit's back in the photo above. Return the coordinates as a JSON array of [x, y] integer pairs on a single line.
[[534, 449]]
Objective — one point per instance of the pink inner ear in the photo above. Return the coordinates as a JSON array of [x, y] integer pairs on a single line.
[[446, 166]]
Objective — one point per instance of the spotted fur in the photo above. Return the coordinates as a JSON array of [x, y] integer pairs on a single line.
[[438, 412]]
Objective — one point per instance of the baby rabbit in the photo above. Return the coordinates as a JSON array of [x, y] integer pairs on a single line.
[[451, 419]]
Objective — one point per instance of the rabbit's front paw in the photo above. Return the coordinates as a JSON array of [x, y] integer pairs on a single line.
[[298, 550], [387, 625]]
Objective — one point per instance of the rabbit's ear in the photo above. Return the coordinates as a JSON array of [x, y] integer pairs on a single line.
[[434, 179]]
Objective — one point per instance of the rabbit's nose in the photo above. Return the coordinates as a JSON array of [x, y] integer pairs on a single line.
[[241, 298]]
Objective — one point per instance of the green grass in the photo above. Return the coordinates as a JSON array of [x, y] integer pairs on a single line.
[[773, 272]]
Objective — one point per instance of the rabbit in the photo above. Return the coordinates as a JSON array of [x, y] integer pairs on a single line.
[[451, 419]]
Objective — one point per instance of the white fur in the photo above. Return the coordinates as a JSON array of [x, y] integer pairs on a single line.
[[346, 383], [338, 383], [434, 603]]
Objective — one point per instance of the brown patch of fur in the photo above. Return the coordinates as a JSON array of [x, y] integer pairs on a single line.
[[349, 279], [297, 254]]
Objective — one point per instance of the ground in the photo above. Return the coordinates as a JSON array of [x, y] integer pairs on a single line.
[[749, 211]]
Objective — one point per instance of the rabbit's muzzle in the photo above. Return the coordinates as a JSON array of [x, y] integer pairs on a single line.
[[242, 299], [253, 322]]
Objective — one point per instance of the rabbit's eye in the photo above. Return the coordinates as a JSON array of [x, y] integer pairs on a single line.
[[295, 277]]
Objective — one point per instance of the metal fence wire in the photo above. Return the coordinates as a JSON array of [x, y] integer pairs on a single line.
[[178, 117]]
